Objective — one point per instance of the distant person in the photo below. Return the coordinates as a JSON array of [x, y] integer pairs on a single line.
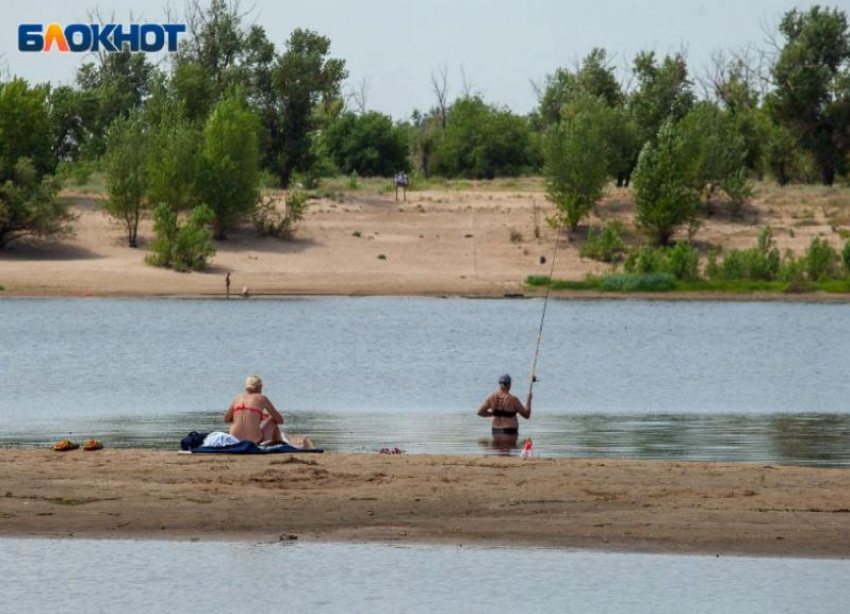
[[503, 408], [252, 417], [227, 283]]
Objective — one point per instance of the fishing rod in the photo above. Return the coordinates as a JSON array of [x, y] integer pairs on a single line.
[[543, 315]]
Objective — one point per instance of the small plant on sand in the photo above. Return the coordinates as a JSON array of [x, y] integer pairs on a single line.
[[821, 260], [270, 222], [182, 248], [382, 256], [604, 245], [356, 234], [515, 235]]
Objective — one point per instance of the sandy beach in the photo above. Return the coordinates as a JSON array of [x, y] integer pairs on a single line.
[[479, 241], [670, 507]]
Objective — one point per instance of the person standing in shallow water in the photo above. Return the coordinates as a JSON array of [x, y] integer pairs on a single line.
[[503, 408]]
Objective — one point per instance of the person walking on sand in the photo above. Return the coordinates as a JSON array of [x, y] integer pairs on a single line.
[[252, 417], [227, 283], [503, 408]]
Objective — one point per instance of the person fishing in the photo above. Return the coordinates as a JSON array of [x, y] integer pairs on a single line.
[[504, 408]]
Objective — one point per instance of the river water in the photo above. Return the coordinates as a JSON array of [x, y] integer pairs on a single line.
[[754, 381], [132, 577]]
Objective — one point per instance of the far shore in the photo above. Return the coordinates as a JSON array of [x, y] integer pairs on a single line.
[[482, 242], [618, 505]]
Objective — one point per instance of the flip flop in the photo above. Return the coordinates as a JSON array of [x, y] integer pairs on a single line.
[[92, 444], [66, 445]]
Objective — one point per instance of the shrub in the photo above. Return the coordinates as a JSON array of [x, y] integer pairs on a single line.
[[641, 282], [270, 222], [515, 235], [845, 256], [604, 245], [793, 270], [182, 248], [821, 260], [680, 261], [760, 263]]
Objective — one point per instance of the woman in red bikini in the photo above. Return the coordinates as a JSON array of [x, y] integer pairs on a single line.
[[252, 417]]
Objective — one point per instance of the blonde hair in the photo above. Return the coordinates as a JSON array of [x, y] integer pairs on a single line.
[[253, 383]]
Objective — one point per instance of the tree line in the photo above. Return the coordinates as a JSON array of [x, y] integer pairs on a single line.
[[232, 112]]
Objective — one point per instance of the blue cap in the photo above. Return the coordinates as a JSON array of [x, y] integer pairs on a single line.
[[505, 379]]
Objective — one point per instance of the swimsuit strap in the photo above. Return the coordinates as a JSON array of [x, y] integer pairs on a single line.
[[243, 407]]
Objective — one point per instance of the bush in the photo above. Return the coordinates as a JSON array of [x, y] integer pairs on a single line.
[[272, 223], [680, 261], [793, 270], [760, 263], [367, 145], [640, 282], [821, 260], [604, 245], [182, 248], [845, 256]]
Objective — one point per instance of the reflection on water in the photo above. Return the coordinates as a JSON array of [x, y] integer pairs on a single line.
[[131, 577], [808, 439]]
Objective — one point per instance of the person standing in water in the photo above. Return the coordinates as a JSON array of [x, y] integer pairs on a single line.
[[504, 408]]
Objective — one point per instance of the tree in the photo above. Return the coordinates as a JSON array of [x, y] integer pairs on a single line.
[[664, 199], [664, 91], [575, 154], [595, 77], [126, 177], [229, 178], [172, 164], [182, 248], [481, 142], [115, 86], [307, 84], [812, 86], [28, 203], [716, 153], [29, 207], [367, 144]]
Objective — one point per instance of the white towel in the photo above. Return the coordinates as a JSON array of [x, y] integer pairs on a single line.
[[218, 439]]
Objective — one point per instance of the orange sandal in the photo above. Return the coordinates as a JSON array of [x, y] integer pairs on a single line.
[[92, 444], [66, 445]]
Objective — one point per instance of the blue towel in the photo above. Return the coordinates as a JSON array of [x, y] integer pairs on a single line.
[[249, 447]]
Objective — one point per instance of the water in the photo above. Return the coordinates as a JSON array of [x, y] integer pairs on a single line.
[[151, 576], [762, 382]]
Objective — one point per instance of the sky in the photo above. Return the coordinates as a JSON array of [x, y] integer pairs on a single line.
[[395, 46]]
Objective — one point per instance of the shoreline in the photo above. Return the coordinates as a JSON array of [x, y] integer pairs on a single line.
[[571, 295], [591, 504]]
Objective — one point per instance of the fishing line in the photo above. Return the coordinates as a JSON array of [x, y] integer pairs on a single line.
[[543, 315]]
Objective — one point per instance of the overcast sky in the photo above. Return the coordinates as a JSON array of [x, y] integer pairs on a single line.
[[501, 44]]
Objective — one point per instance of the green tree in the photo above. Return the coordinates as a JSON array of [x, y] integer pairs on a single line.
[[28, 203], [481, 141], [367, 144], [229, 178], [595, 77], [182, 248], [172, 163], [664, 198], [575, 153], [29, 207], [812, 85], [716, 153], [663, 91], [112, 88], [307, 85], [125, 162]]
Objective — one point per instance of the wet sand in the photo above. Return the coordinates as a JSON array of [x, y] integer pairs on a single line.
[[598, 504]]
